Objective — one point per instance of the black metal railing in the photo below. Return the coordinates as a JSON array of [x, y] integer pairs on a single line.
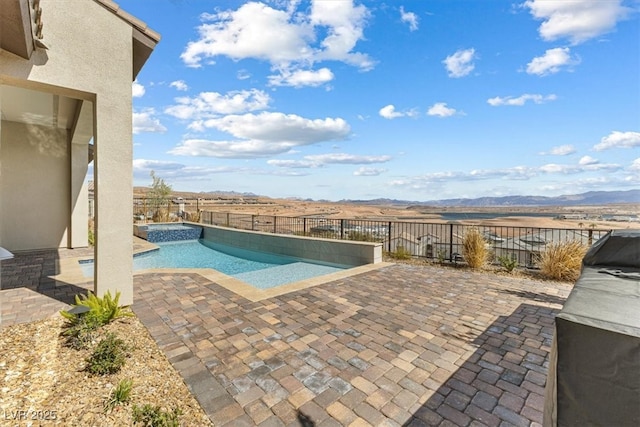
[[434, 241]]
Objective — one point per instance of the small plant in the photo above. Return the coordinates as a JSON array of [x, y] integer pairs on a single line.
[[108, 357], [101, 310], [474, 249], [359, 236], [442, 256], [91, 233], [509, 263], [81, 334], [400, 253], [153, 416], [562, 261], [119, 395]]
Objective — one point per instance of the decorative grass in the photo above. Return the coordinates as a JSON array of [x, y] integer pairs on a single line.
[[474, 249], [562, 261]]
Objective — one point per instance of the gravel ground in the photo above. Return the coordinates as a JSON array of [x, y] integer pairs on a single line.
[[43, 382]]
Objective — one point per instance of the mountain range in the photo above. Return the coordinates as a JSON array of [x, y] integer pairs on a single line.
[[591, 198]]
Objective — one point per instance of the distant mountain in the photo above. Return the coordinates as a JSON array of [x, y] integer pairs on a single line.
[[585, 199]]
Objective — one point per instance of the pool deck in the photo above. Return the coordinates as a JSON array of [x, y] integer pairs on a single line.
[[398, 345]]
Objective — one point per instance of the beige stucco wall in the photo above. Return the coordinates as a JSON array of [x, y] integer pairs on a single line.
[[34, 188], [90, 57]]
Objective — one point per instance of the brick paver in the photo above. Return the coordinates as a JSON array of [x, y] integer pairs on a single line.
[[403, 345]]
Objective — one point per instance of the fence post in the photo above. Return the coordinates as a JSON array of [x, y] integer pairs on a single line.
[[450, 242], [304, 226], [342, 229], [590, 237], [275, 228], [253, 221], [389, 237]]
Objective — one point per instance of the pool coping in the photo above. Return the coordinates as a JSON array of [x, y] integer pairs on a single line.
[[71, 272]]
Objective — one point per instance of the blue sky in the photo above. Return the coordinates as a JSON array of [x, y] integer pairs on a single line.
[[414, 100]]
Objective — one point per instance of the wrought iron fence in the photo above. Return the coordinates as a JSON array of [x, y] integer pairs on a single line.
[[434, 241]]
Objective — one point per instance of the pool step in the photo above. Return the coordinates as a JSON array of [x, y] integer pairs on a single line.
[[286, 273]]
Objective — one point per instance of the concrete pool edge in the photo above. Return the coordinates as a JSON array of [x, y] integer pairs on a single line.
[[254, 294]]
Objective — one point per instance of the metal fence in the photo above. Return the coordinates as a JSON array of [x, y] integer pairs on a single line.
[[433, 241]]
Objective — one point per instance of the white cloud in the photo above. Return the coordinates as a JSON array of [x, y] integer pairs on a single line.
[[560, 150], [460, 63], [618, 139], [440, 109], [177, 171], [293, 164], [410, 18], [587, 160], [145, 121], [243, 74], [264, 134], [300, 78], [290, 40], [179, 85], [364, 171], [635, 166], [552, 61], [521, 100], [278, 127], [576, 20], [389, 112], [137, 90], [211, 104], [347, 159]]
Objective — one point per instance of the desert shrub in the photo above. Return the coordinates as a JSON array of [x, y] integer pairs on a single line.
[[119, 395], [442, 256], [474, 248], [101, 310], [108, 357], [359, 236], [562, 261], [509, 263], [153, 416], [400, 253], [81, 333]]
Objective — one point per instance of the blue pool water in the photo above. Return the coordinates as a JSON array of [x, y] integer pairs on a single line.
[[259, 269]]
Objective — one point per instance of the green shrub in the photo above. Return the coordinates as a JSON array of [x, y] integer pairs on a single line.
[[474, 248], [81, 333], [359, 236], [509, 263], [562, 261], [101, 310], [442, 256], [153, 416], [400, 253], [119, 395], [108, 357]]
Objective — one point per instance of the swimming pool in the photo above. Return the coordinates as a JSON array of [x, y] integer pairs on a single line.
[[259, 269]]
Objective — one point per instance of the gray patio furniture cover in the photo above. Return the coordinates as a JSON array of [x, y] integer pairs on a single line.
[[594, 369]]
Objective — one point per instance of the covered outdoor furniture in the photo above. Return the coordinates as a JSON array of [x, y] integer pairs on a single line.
[[594, 371]]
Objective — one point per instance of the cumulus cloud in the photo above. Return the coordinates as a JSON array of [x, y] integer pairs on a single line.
[[517, 173], [176, 171], [145, 121], [291, 39], [618, 139], [211, 104], [440, 109], [319, 160], [635, 166], [364, 171], [137, 90], [410, 18], [179, 85], [576, 20], [560, 150], [300, 78], [389, 112], [552, 61], [264, 134], [460, 63], [520, 100]]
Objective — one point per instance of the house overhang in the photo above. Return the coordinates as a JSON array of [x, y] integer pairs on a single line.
[[22, 27], [16, 34]]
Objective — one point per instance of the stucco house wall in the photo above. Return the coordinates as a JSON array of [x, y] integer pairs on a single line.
[[89, 62]]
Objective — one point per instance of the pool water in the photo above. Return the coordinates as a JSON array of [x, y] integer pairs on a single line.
[[259, 269]]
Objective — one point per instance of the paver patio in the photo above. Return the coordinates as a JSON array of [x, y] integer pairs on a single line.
[[403, 345]]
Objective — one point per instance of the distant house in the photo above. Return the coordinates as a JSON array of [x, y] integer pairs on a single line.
[[66, 69]]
